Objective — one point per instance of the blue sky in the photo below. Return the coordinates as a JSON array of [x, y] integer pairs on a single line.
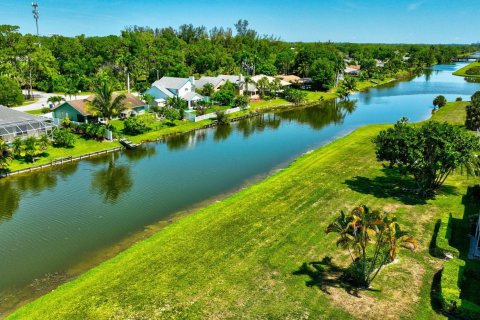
[[392, 21]]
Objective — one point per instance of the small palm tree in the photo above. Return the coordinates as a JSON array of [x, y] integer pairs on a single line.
[[43, 141], [104, 104], [30, 145], [362, 228], [176, 103], [350, 84], [5, 155], [17, 147], [262, 85]]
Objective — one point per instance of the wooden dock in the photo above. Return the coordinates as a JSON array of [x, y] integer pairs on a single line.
[[128, 144]]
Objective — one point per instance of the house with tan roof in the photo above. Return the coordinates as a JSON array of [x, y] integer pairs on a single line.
[[80, 110]]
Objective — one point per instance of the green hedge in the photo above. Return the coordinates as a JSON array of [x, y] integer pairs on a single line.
[[442, 245], [452, 276]]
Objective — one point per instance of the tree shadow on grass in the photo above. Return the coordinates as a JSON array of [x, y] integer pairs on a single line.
[[325, 275], [392, 185]]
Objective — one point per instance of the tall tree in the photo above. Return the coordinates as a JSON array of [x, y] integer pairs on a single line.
[[104, 103]]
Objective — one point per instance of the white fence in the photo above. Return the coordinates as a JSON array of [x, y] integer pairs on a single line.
[[209, 115]]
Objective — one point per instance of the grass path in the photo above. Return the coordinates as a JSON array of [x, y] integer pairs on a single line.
[[241, 257]]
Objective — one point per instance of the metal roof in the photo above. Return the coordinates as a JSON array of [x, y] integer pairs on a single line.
[[171, 82]]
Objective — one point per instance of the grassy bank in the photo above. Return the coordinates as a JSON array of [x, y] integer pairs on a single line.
[[463, 71], [82, 147], [242, 257]]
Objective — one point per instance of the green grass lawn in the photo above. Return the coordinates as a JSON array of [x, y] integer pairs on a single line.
[[82, 147], [35, 112], [242, 257], [462, 72]]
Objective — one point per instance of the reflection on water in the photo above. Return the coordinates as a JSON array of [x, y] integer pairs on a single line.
[[11, 190], [9, 200], [113, 181]]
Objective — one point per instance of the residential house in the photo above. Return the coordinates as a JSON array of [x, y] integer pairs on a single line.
[[80, 110], [169, 87], [252, 87], [352, 70], [216, 83]]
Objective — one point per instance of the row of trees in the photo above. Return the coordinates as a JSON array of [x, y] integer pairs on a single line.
[[69, 64]]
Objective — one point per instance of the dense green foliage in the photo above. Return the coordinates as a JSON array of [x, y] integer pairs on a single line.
[[296, 96], [69, 64], [472, 122], [439, 101], [135, 125], [5, 155], [64, 138], [430, 153], [10, 92]]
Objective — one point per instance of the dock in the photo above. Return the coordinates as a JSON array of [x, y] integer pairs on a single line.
[[128, 144]]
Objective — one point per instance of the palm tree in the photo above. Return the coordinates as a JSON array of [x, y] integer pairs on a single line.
[[17, 147], [30, 148], [342, 93], [55, 99], [176, 103], [262, 85], [104, 103], [43, 141], [247, 80], [5, 155], [350, 84], [363, 227]]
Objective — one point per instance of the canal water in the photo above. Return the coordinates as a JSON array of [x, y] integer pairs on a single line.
[[53, 221]]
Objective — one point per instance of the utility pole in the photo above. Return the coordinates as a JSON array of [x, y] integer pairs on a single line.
[[36, 14]]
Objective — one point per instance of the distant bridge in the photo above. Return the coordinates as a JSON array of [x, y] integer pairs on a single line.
[[465, 58]]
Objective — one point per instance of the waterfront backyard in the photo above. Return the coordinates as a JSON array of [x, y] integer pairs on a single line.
[[245, 255], [262, 235]]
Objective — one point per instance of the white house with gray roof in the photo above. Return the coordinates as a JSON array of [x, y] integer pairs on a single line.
[[169, 87]]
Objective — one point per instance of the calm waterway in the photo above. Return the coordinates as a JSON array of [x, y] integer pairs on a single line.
[[54, 220]]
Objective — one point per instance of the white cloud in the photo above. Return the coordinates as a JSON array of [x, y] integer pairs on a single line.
[[415, 5]]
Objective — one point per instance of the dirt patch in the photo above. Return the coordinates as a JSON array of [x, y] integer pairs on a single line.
[[398, 288]]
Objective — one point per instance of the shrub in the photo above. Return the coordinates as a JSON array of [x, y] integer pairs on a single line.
[[439, 101], [66, 123], [473, 71], [442, 246], [459, 99], [135, 125], [240, 102], [221, 116], [295, 96], [472, 122], [429, 153], [169, 113], [223, 97], [45, 110], [64, 138]]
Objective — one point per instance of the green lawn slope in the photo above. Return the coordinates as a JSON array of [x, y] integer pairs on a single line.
[[242, 257], [463, 71]]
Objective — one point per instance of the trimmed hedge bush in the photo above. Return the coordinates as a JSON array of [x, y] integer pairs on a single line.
[[452, 276], [442, 246]]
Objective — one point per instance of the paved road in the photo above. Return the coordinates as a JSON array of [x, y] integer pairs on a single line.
[[42, 101]]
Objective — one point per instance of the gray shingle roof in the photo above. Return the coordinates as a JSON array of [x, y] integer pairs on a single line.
[[214, 81], [8, 115], [171, 82]]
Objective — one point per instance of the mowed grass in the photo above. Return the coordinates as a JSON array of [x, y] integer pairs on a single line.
[[82, 147], [462, 72], [241, 257]]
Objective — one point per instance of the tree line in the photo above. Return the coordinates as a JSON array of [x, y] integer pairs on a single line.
[[143, 54]]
